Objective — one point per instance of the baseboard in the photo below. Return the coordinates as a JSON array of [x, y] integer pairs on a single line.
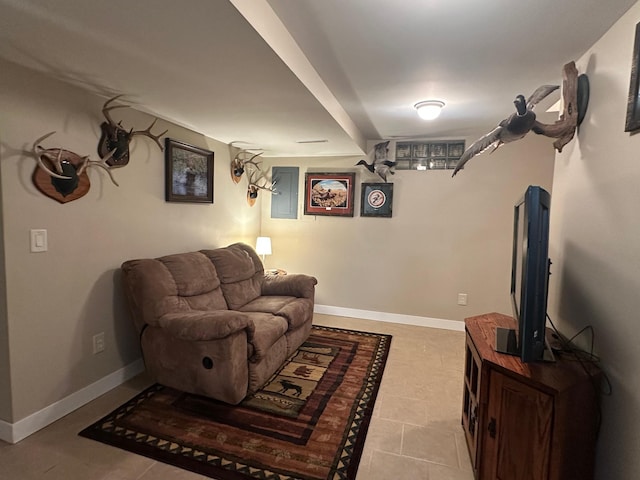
[[390, 317], [14, 432]]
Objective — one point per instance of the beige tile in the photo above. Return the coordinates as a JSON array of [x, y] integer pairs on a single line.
[[444, 414], [363, 466], [464, 460], [384, 435], [434, 445], [442, 472], [161, 471], [405, 410], [387, 466], [415, 431]]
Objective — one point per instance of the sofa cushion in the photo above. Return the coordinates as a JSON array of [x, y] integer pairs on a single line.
[[232, 263], [192, 273], [296, 311], [268, 329], [196, 280], [240, 272], [156, 287]]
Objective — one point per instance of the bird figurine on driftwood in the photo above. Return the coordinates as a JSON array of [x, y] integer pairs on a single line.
[[381, 165], [513, 128]]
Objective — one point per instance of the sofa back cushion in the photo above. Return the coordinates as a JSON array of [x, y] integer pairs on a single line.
[[174, 283], [240, 271]]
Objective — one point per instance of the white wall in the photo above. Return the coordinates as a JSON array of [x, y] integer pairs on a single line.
[[447, 235], [595, 232], [57, 301]]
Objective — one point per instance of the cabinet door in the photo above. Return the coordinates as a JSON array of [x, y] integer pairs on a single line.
[[471, 396], [518, 436]]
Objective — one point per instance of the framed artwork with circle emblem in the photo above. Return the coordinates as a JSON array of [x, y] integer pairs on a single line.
[[377, 200]]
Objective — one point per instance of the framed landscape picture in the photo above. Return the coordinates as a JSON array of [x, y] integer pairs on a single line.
[[188, 173], [329, 194], [377, 200]]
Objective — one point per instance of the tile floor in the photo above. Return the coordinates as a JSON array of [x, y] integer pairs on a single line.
[[415, 433]]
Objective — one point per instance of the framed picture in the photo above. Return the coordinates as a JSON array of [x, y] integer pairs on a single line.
[[633, 103], [329, 194], [188, 173], [377, 200]]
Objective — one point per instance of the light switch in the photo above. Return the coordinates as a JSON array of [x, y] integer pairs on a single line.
[[39, 240]]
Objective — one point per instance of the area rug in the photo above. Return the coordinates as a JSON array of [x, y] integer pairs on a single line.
[[309, 422]]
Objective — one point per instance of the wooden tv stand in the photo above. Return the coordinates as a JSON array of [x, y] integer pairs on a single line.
[[533, 421]]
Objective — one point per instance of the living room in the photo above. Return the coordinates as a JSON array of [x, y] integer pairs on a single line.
[[446, 236]]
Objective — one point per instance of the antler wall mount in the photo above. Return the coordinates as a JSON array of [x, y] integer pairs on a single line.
[[254, 187], [245, 161], [61, 174], [116, 137], [240, 162]]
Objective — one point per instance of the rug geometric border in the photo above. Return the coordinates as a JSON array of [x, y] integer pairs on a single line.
[[114, 430]]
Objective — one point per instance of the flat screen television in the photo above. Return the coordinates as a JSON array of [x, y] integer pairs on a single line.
[[530, 267]]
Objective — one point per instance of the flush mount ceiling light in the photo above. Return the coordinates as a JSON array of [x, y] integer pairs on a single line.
[[429, 109]]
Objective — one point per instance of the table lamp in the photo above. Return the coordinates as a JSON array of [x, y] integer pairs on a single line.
[[263, 246]]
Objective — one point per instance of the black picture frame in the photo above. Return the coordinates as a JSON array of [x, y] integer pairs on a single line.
[[633, 103], [188, 173], [330, 194], [376, 200]]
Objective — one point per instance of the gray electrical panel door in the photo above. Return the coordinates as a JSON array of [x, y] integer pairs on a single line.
[[285, 203]]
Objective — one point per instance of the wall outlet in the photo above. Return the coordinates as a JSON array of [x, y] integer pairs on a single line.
[[98, 343], [462, 299]]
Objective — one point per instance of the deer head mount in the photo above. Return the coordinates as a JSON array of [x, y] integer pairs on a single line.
[[240, 163], [260, 182], [246, 162], [62, 174], [117, 139]]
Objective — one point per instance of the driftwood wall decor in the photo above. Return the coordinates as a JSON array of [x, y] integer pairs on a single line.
[[575, 99]]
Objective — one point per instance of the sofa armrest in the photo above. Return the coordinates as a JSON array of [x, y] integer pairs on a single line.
[[203, 326], [292, 285]]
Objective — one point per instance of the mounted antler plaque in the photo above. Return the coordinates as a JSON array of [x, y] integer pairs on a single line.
[[261, 182], [245, 161], [240, 162], [62, 174], [116, 137]]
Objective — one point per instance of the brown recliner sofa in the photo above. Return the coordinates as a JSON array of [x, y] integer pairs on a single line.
[[211, 323]]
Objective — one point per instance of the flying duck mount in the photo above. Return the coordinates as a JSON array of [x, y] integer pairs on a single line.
[[575, 100]]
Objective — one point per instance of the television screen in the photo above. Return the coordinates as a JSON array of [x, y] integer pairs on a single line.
[[529, 278]]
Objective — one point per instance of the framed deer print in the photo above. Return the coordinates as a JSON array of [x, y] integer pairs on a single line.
[[329, 194], [188, 173]]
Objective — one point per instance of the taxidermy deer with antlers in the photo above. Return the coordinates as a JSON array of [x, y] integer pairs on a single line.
[[254, 187], [245, 161], [62, 175], [240, 162], [116, 137]]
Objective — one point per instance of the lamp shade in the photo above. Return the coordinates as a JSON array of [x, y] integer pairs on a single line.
[[263, 246]]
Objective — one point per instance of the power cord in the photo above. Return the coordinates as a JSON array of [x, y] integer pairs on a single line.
[[585, 358]]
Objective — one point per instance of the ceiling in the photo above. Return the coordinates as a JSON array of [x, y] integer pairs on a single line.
[[279, 75]]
